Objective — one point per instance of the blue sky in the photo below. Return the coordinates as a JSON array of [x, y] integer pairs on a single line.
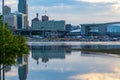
[[73, 11]]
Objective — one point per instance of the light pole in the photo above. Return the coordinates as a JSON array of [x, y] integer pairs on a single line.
[[3, 35], [3, 12]]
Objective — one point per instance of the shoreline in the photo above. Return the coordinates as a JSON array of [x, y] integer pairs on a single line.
[[108, 51], [74, 43]]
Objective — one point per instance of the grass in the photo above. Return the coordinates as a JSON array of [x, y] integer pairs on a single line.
[[111, 51]]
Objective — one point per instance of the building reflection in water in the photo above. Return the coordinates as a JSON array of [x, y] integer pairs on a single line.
[[7, 68], [49, 52], [100, 46], [23, 67]]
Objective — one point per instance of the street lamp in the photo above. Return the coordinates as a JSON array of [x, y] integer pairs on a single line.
[[3, 34], [3, 12]]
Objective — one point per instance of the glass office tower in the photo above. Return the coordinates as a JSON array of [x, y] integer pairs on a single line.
[[23, 7]]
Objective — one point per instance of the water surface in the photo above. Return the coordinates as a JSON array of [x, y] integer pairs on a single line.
[[62, 62]]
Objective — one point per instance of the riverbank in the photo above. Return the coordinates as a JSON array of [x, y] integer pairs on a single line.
[[78, 43], [111, 51], [73, 43]]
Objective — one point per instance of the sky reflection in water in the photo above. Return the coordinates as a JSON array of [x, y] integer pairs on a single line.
[[62, 63]]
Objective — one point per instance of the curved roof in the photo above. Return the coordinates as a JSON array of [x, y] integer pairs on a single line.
[[77, 30], [115, 25], [35, 19]]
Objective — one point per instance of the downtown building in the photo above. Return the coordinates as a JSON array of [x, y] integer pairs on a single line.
[[21, 20], [102, 29], [23, 14], [47, 24], [15, 20], [49, 28], [10, 18]]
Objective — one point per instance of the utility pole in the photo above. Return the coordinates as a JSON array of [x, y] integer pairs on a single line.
[[3, 12], [3, 36]]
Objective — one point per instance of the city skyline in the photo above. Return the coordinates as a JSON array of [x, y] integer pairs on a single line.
[[73, 11]]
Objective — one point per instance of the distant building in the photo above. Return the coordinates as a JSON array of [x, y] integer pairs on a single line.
[[21, 20], [11, 19], [23, 8], [48, 28], [93, 29], [45, 18], [68, 27], [7, 10], [113, 29], [35, 20], [102, 29], [49, 25]]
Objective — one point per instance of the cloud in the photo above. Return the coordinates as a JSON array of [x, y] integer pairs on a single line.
[[73, 11], [100, 1], [114, 75], [59, 6], [116, 8], [11, 3], [98, 76], [12, 73]]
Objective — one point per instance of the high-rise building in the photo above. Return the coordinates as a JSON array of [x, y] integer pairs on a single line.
[[7, 10], [11, 20], [23, 7], [21, 20]]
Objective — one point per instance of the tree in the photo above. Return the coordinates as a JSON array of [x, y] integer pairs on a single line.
[[11, 46]]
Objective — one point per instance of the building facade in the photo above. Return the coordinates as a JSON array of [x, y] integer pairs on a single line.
[[113, 29], [45, 18], [11, 20], [93, 29], [21, 20], [7, 10], [23, 6], [35, 20], [101, 29], [49, 25]]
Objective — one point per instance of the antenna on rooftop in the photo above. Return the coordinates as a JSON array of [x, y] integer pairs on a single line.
[[45, 12], [37, 15]]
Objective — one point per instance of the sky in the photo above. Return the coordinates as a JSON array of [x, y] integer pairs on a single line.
[[72, 11]]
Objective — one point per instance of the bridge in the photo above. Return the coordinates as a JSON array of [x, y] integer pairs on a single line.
[[42, 33]]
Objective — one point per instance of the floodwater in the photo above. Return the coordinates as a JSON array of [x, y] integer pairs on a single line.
[[48, 61]]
